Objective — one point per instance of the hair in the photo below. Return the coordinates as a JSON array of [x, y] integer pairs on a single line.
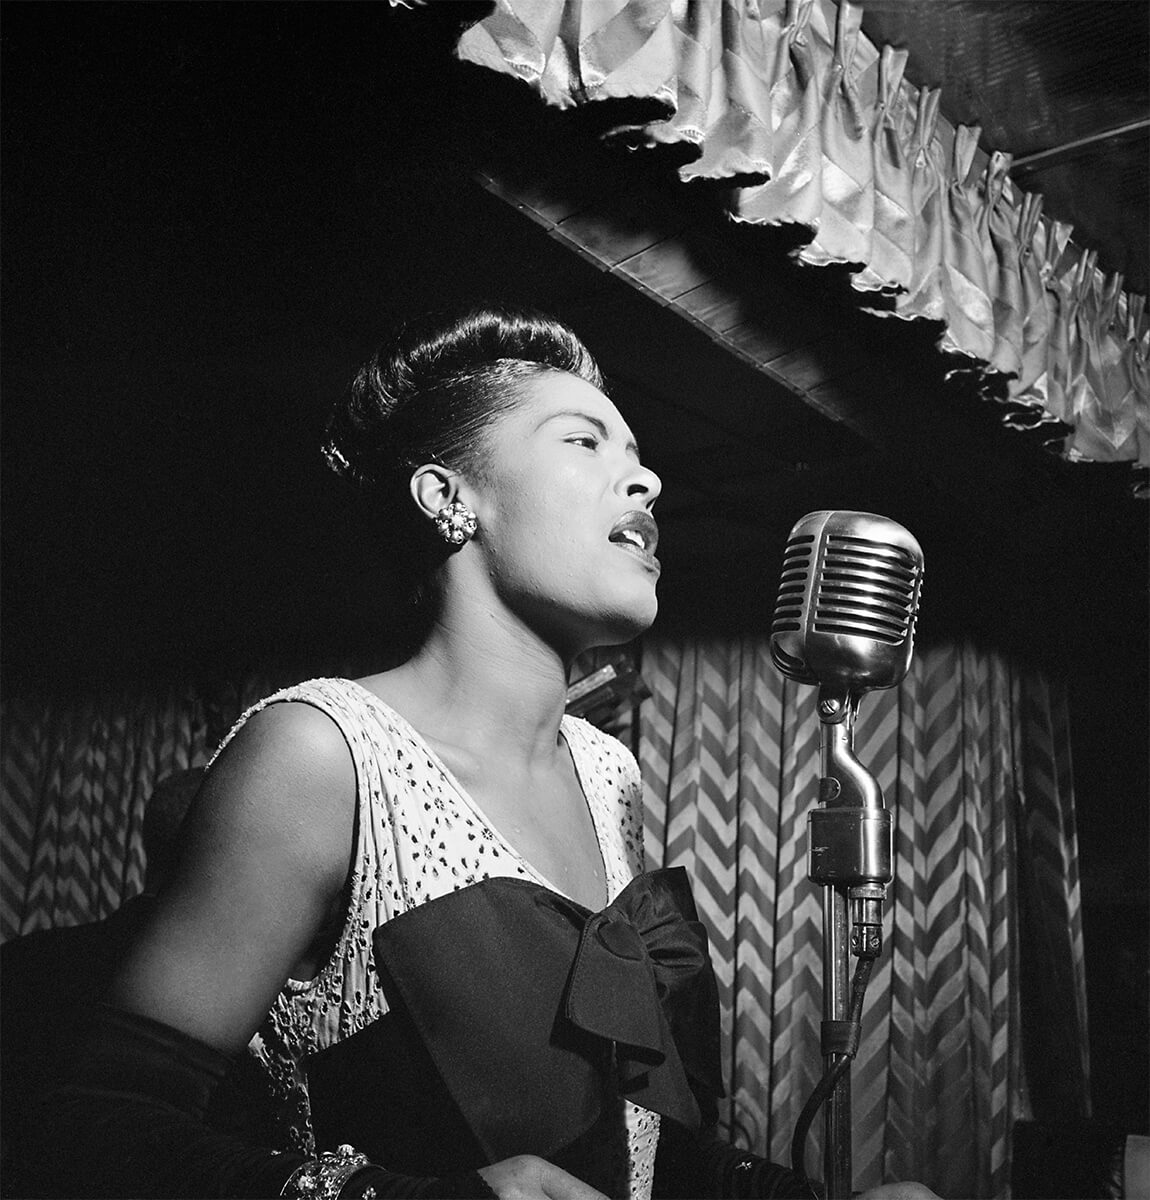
[[429, 395]]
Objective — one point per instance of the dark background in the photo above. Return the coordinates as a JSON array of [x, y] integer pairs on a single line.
[[212, 212]]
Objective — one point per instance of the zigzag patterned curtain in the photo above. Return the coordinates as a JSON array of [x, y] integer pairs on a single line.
[[971, 757], [75, 775], [813, 125]]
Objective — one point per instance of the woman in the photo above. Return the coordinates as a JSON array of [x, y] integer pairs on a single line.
[[415, 902]]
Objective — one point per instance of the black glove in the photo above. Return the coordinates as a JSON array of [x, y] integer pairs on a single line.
[[700, 1165], [125, 1116]]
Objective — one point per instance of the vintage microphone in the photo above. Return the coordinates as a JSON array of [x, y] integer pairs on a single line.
[[844, 620]]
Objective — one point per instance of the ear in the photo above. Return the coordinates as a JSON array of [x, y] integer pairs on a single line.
[[432, 487]]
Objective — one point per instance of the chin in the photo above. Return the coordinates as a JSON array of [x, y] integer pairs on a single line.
[[628, 625], [612, 622]]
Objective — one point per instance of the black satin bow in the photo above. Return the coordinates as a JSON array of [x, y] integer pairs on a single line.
[[529, 1006], [643, 980]]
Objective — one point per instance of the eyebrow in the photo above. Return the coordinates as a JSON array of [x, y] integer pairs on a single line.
[[632, 447]]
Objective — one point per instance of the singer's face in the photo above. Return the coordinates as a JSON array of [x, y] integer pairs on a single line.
[[564, 508]]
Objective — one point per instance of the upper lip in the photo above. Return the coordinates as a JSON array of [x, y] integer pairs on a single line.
[[639, 522]]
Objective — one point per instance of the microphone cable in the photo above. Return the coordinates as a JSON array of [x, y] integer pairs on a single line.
[[846, 1035]]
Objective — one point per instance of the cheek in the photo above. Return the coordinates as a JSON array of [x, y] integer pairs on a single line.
[[555, 544], [550, 506], [548, 542]]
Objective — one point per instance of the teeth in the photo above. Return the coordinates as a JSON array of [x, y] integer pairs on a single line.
[[638, 530]]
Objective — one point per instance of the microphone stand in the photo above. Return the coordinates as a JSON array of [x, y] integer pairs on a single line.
[[849, 844]]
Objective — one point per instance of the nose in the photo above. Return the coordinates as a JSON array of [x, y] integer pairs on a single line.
[[643, 484]]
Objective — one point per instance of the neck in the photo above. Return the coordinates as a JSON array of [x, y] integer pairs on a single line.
[[484, 682]]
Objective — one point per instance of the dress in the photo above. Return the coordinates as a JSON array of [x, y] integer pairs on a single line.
[[420, 837]]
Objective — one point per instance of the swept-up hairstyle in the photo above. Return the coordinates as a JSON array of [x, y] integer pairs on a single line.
[[427, 396]]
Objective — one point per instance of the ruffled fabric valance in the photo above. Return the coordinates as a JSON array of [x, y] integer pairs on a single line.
[[814, 125]]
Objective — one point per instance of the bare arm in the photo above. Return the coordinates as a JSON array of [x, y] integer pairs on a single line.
[[266, 853]]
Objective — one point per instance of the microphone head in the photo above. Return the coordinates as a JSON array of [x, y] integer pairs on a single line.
[[847, 602]]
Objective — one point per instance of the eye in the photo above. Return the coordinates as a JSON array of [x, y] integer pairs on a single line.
[[589, 440]]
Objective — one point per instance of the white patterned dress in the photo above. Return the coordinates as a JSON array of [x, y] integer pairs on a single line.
[[420, 836]]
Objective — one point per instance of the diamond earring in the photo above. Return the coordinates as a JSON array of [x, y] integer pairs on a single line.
[[456, 523]]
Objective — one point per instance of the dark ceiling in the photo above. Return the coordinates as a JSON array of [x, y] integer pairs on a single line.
[[212, 211]]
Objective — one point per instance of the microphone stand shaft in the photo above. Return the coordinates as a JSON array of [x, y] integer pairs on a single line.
[[836, 1007], [848, 845]]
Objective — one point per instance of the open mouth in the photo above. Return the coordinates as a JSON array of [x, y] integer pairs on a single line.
[[636, 531]]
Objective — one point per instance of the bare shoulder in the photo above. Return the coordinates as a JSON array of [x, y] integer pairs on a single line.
[[287, 774], [289, 738]]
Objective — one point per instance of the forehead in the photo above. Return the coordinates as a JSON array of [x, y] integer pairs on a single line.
[[557, 394]]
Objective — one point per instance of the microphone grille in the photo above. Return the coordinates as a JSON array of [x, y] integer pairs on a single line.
[[797, 561], [847, 600], [866, 588]]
